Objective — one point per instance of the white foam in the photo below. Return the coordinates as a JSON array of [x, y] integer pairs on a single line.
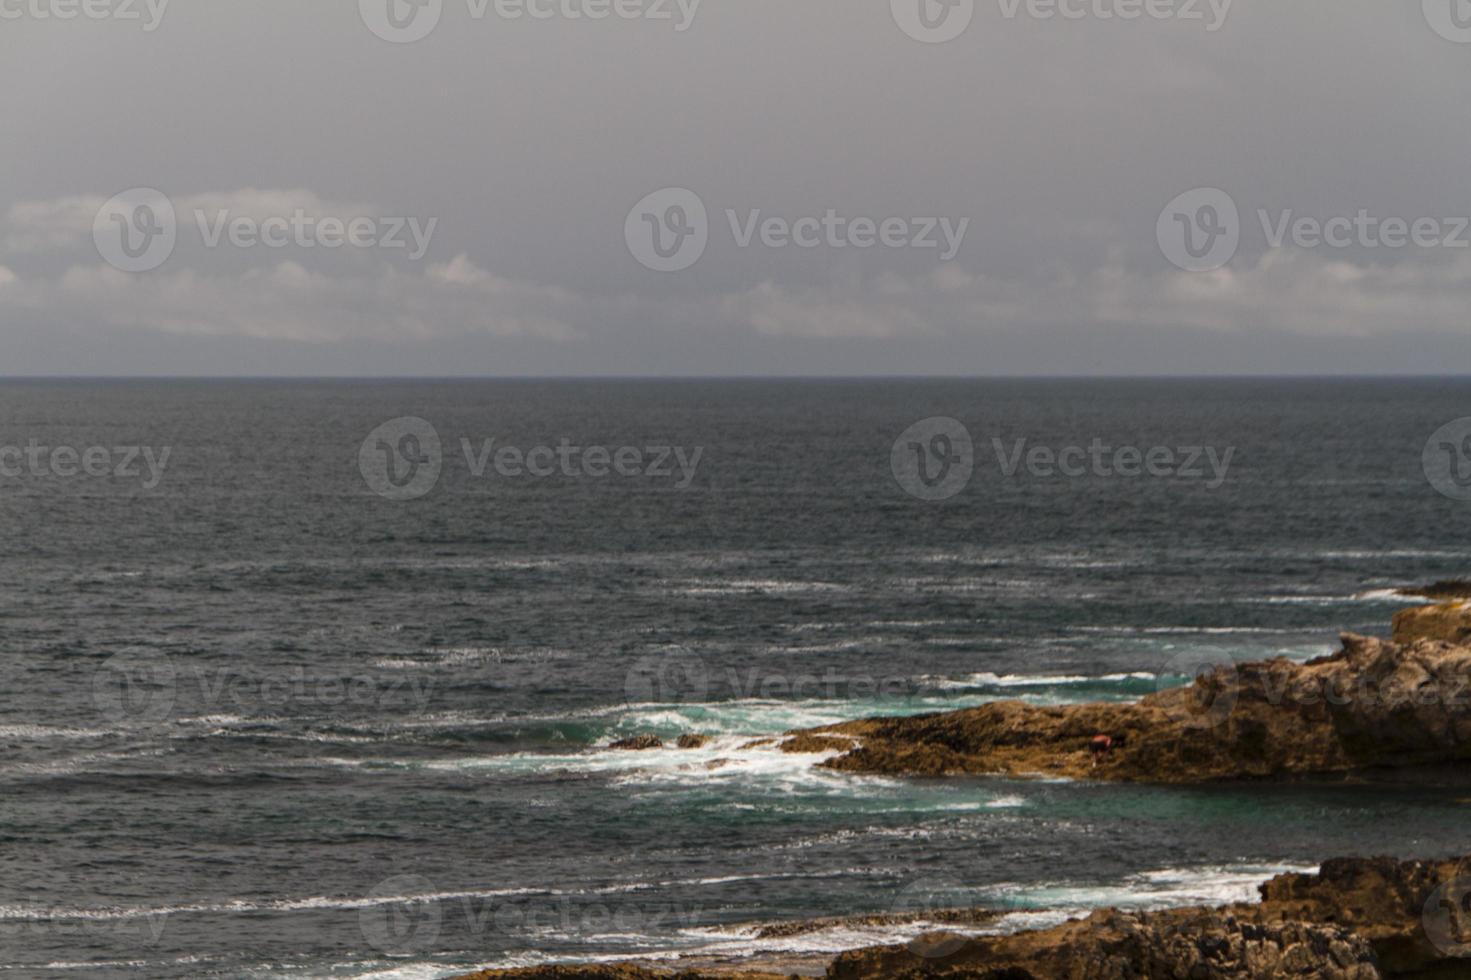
[[39, 732]]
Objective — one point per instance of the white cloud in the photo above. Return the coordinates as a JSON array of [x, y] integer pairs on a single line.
[[289, 302], [63, 223]]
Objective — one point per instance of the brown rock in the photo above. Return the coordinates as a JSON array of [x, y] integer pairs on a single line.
[[692, 741], [1357, 919], [804, 744], [1372, 704], [1189, 944], [1450, 621], [1448, 589], [638, 743]]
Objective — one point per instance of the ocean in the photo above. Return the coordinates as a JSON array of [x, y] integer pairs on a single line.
[[311, 679]]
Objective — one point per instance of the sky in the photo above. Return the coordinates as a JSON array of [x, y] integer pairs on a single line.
[[734, 187]]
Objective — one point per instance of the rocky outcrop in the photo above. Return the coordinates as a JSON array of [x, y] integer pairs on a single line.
[[1190, 944], [692, 741], [1357, 919], [1458, 588], [1448, 621], [1371, 704]]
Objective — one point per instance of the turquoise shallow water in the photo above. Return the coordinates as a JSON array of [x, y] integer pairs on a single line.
[[382, 750]]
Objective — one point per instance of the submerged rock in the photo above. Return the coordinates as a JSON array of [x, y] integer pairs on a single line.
[[1372, 704]]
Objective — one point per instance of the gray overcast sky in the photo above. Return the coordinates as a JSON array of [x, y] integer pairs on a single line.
[[528, 142]]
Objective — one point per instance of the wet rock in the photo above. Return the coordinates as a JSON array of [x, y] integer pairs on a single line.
[[804, 744], [692, 741], [1190, 944], [1357, 919], [1371, 704], [638, 743]]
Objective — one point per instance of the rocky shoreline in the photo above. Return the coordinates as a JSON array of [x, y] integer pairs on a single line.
[[1374, 705], [1356, 919]]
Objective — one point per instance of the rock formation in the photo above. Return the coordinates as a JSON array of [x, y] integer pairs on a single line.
[[1357, 919], [1371, 704], [1447, 621]]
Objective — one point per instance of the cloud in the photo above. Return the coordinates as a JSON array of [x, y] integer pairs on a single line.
[[64, 223], [1308, 293], [286, 301]]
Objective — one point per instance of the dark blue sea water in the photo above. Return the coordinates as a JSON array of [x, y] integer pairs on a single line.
[[258, 719]]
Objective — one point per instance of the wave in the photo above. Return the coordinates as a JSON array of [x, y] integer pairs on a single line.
[[1182, 630], [43, 732], [987, 679], [30, 913], [1210, 886]]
